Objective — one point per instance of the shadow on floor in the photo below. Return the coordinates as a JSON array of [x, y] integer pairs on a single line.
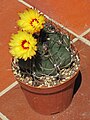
[[77, 83]]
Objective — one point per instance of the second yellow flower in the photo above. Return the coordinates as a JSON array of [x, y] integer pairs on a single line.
[[31, 21]]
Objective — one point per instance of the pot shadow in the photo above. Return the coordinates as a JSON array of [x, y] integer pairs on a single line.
[[77, 83]]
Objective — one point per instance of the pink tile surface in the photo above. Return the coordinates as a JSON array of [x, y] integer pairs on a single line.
[[9, 15]]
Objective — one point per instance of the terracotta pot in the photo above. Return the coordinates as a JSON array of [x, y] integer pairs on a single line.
[[50, 100]]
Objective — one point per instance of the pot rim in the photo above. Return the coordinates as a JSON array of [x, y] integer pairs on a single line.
[[76, 73], [52, 89], [73, 46]]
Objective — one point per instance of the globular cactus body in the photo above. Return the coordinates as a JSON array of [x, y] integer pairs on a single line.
[[53, 52]]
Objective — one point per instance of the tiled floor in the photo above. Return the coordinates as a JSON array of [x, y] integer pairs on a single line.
[[74, 15], [9, 15]]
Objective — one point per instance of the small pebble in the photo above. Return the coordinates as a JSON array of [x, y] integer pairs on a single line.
[[69, 73], [73, 64], [19, 75], [66, 74], [30, 82], [63, 73], [26, 83], [40, 86], [15, 73], [27, 78], [47, 78], [76, 68], [53, 79], [54, 83], [21, 79], [41, 78], [67, 78], [48, 38], [63, 80]]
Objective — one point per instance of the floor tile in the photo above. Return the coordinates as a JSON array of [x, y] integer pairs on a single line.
[[87, 36], [6, 79], [73, 14], [9, 15], [14, 105]]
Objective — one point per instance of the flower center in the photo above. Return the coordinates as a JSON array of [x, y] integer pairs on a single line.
[[25, 44], [34, 21]]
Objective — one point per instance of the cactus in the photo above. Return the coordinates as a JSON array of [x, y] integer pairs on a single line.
[[53, 53], [42, 53]]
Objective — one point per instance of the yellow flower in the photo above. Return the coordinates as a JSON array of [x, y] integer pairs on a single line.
[[23, 45], [31, 21]]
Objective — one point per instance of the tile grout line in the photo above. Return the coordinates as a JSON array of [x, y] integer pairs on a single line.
[[8, 88], [85, 32], [82, 35], [87, 42], [3, 117], [84, 40], [70, 31]]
